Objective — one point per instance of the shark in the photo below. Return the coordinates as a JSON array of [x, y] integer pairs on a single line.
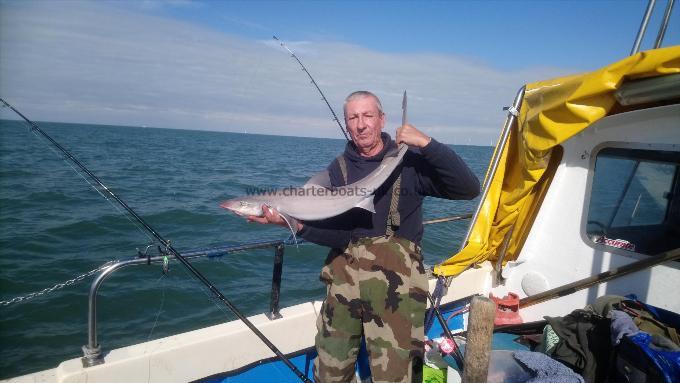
[[316, 199]]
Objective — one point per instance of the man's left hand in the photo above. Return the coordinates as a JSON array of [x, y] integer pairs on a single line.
[[411, 136]]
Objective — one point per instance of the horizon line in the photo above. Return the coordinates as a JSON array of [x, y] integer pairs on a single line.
[[201, 130]]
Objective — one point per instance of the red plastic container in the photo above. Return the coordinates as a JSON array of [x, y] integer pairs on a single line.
[[507, 309]]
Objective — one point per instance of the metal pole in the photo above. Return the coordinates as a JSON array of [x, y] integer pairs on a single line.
[[276, 283], [664, 24], [643, 27], [447, 219], [504, 249], [614, 273], [92, 352], [509, 122]]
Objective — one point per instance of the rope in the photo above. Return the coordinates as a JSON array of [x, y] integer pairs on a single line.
[[58, 286]]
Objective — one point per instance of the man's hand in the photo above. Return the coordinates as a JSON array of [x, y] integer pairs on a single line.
[[271, 216], [409, 135]]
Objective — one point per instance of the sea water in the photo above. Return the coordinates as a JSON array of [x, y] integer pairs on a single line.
[[54, 226]]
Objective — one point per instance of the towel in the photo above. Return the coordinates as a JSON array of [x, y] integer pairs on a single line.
[[545, 369]]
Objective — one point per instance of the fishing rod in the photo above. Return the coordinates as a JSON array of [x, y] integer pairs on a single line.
[[323, 97], [166, 244]]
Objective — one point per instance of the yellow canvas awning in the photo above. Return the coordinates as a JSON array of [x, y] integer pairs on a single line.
[[550, 113]]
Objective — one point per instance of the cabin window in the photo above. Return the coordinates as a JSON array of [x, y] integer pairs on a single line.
[[635, 204]]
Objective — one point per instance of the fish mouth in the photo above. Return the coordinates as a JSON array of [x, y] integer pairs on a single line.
[[238, 207], [231, 206]]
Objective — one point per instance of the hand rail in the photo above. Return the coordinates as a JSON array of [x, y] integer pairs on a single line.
[[664, 24], [92, 353], [643, 27]]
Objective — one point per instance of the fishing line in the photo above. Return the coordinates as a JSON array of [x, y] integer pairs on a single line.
[[323, 97], [201, 288], [164, 277], [160, 308], [169, 248], [210, 297]]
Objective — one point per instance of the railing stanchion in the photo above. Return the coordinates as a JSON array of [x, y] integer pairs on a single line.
[[276, 283]]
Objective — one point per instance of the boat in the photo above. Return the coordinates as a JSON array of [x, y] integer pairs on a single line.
[[584, 181]]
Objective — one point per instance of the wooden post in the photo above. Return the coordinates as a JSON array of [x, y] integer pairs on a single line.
[[478, 345]]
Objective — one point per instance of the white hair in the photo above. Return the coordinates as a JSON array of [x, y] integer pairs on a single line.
[[361, 94]]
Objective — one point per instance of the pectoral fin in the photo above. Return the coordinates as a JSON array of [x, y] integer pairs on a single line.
[[367, 204]]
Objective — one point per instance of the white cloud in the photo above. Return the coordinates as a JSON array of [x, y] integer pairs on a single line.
[[93, 62]]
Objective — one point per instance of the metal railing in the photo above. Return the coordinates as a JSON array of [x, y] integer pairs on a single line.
[[663, 25], [92, 351]]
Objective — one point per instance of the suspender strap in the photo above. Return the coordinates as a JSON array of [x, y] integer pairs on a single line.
[[393, 218], [343, 167]]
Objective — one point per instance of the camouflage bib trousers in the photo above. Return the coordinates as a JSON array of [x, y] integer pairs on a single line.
[[376, 287]]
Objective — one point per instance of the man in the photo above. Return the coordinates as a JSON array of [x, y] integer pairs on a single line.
[[376, 283]]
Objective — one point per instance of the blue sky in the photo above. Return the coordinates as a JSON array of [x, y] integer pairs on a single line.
[[212, 65], [500, 33]]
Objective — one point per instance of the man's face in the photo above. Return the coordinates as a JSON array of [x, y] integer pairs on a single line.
[[364, 122]]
